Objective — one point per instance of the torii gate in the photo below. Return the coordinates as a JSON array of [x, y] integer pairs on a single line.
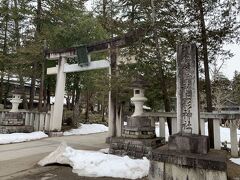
[[62, 68]]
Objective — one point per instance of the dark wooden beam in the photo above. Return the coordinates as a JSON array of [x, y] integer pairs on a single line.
[[119, 42]]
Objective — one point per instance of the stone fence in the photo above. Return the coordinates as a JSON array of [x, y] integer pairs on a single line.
[[39, 120], [228, 119]]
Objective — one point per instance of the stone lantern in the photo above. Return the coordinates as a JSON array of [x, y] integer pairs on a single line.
[[16, 100], [138, 98], [138, 136], [139, 126]]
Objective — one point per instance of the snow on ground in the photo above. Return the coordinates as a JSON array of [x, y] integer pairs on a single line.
[[166, 130], [21, 137], [98, 164], [106, 150], [224, 133], [235, 160], [87, 129]]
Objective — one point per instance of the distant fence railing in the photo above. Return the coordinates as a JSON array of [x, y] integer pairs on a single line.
[[229, 119], [39, 120]]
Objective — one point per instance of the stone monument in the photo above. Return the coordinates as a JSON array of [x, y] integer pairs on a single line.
[[138, 137], [187, 154], [188, 138]]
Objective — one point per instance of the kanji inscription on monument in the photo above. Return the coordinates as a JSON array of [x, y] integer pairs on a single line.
[[187, 89]]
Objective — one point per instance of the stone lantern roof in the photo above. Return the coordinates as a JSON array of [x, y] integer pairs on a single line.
[[139, 82], [17, 90]]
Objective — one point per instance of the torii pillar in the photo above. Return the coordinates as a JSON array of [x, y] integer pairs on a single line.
[[56, 119]]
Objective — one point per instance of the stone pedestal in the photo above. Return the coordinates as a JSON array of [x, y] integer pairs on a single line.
[[139, 127], [169, 164], [191, 143], [138, 139], [136, 148]]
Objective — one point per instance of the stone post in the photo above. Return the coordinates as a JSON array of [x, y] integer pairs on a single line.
[[188, 118], [56, 119], [187, 89], [234, 140], [216, 130], [202, 126], [174, 125], [162, 127]]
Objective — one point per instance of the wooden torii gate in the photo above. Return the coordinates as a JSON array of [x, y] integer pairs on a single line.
[[110, 45]]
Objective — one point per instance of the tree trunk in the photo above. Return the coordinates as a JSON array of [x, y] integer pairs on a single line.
[[103, 110], [1, 85], [48, 94], [2, 68], [104, 9], [6, 92], [206, 69], [17, 38], [113, 93], [38, 29], [32, 89], [98, 106], [68, 102], [87, 107], [73, 99], [76, 112], [159, 59], [25, 102]]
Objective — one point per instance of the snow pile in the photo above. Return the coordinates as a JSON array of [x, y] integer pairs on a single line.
[[87, 129], [21, 137], [98, 164], [105, 151], [235, 160]]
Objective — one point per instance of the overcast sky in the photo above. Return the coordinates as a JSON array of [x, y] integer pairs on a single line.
[[229, 66], [232, 64]]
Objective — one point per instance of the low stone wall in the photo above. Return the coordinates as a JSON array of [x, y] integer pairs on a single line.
[[15, 129], [40, 121], [167, 171]]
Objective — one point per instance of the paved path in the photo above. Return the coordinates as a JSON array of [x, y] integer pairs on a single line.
[[20, 159]]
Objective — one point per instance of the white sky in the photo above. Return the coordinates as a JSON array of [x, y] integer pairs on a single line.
[[229, 66], [232, 64]]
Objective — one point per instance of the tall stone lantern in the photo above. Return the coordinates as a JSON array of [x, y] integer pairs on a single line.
[[16, 99], [139, 126], [138, 136]]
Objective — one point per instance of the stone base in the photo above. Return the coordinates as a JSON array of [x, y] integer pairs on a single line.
[[136, 148], [168, 164], [191, 143], [54, 134], [139, 127], [15, 129], [166, 171], [139, 132]]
